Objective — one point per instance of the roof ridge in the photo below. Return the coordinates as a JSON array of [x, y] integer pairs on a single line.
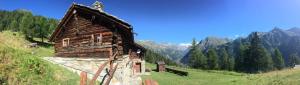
[[103, 12]]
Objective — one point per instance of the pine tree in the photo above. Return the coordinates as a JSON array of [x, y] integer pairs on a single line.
[[278, 59], [257, 59], [224, 60], [231, 63], [239, 60], [293, 59], [212, 59], [197, 59], [297, 60], [152, 57]]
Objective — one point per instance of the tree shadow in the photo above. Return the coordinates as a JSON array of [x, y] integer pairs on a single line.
[[39, 43]]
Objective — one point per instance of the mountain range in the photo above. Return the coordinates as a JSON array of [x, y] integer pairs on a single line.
[[172, 51], [287, 41]]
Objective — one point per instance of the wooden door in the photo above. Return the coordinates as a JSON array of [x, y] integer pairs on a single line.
[[138, 67]]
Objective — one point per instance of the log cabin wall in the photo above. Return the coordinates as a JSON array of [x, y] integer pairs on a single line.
[[134, 52], [80, 28], [81, 23], [77, 36]]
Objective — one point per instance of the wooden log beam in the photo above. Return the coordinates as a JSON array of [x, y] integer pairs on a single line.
[[111, 74], [92, 82]]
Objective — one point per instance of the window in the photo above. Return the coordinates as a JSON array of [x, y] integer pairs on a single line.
[[66, 42], [98, 39]]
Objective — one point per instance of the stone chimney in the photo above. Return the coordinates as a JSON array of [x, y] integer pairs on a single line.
[[98, 5]]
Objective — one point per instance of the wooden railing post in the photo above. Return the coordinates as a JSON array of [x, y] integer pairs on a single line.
[[111, 74], [133, 67], [129, 53], [83, 78], [92, 82], [111, 58]]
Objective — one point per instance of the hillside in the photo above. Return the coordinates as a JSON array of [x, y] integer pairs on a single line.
[[20, 65], [24, 21], [212, 77]]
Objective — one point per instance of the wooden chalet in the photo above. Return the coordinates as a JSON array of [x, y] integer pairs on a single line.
[[89, 32]]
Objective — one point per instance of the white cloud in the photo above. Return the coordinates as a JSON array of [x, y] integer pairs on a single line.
[[185, 44], [238, 36]]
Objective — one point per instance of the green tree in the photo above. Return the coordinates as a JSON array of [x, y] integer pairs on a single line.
[[239, 60], [152, 57], [52, 25], [231, 63], [293, 59], [23, 21], [40, 27], [212, 59], [14, 26], [26, 23], [224, 60], [196, 57], [257, 58], [278, 59]]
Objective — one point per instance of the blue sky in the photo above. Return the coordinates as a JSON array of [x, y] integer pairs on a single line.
[[178, 21]]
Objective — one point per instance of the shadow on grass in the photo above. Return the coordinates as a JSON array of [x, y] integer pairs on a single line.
[[39, 43]]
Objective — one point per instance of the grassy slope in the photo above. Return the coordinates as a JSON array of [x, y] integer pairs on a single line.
[[23, 66], [200, 77]]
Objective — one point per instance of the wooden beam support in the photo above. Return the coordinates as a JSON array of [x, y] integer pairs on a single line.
[[111, 74], [92, 82]]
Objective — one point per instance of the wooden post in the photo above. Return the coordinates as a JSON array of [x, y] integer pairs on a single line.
[[133, 67], [92, 82], [110, 53], [150, 82], [83, 78], [111, 74], [111, 57], [129, 53]]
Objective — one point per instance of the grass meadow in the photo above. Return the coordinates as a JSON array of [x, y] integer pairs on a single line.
[[212, 77]]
